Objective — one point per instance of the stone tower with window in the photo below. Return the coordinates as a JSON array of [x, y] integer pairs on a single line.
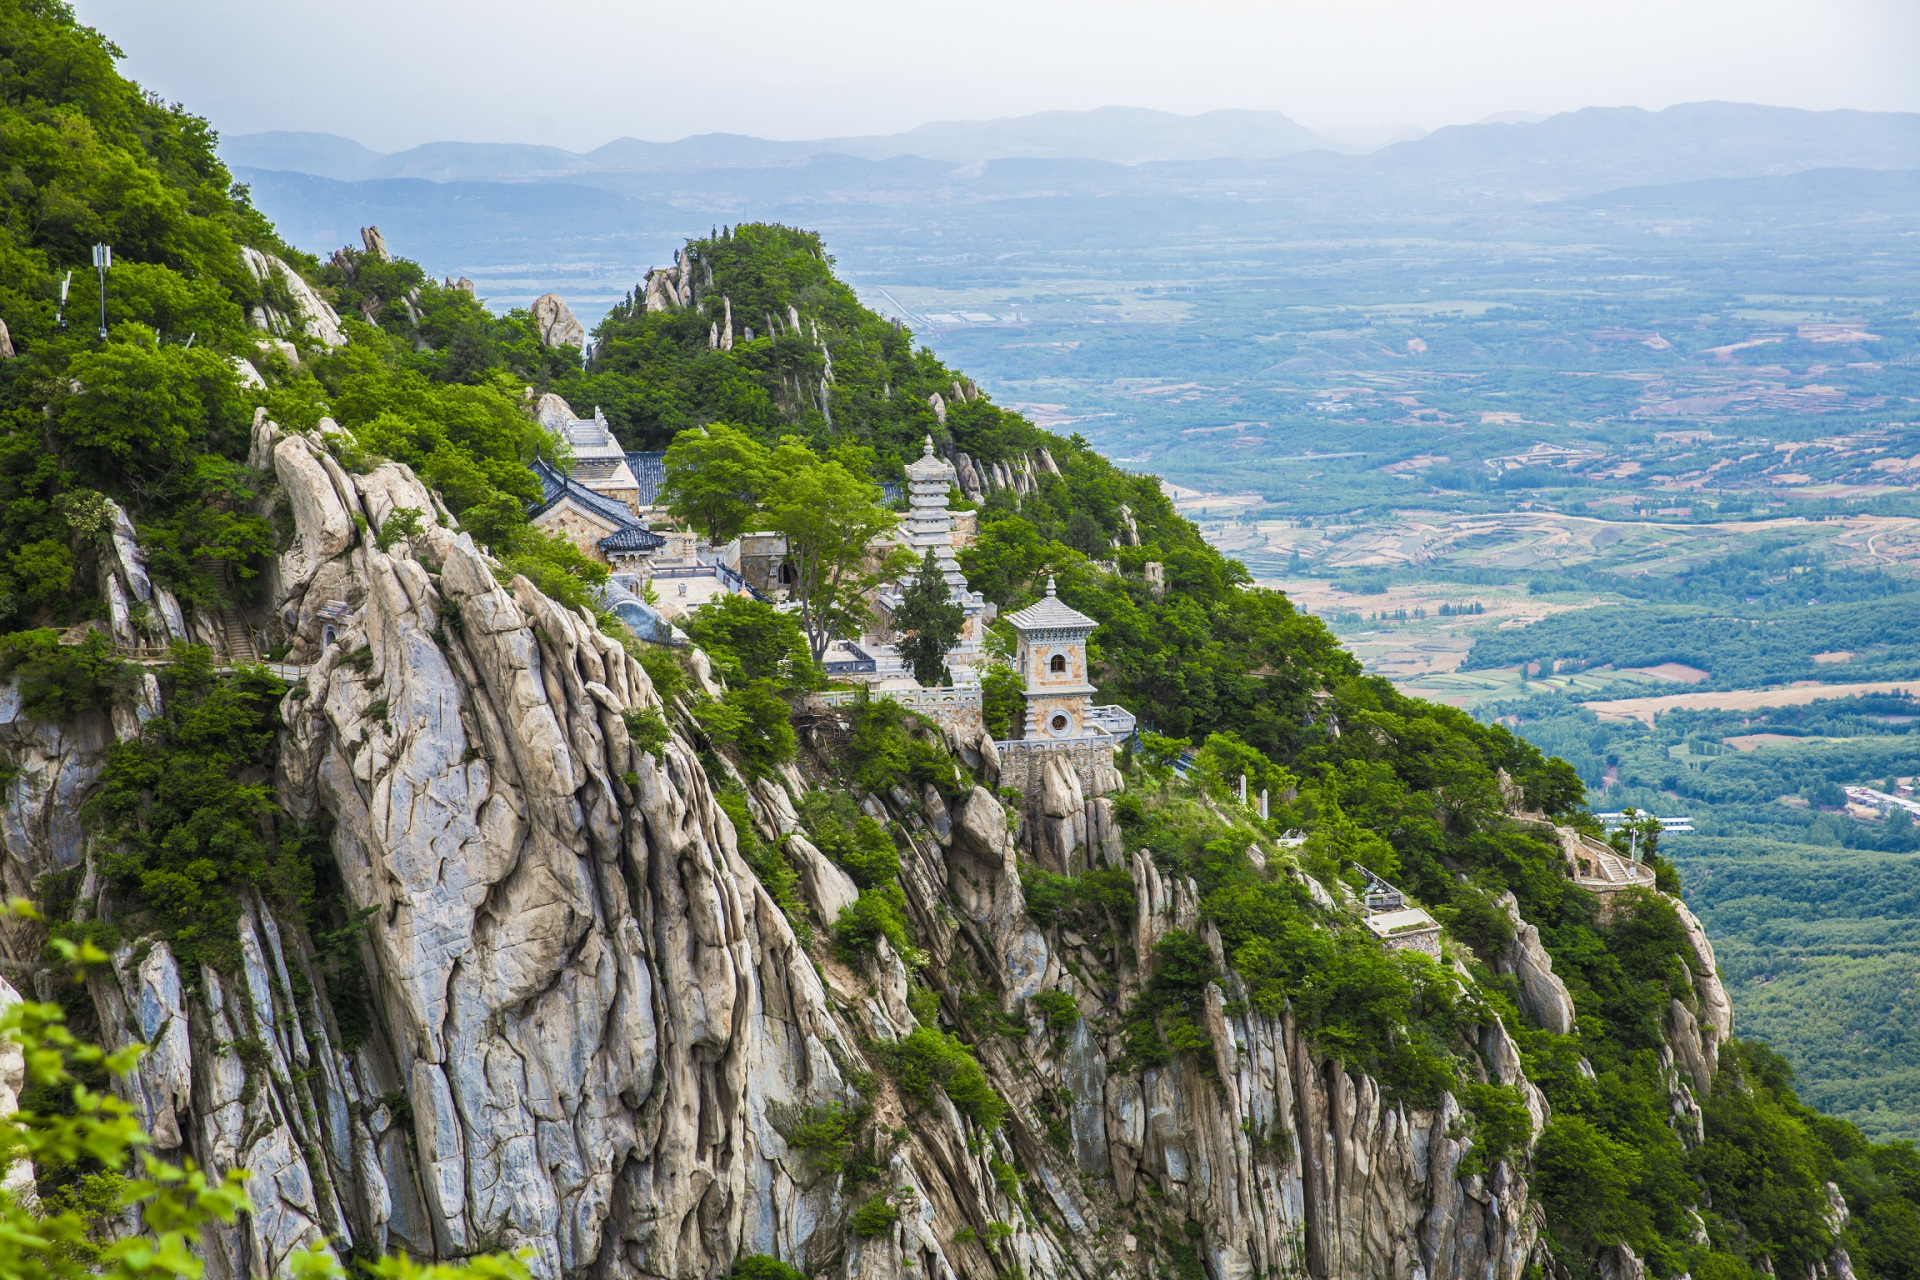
[[1052, 659]]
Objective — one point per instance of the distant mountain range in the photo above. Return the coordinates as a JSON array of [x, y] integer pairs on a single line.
[[1120, 135], [1583, 151], [1692, 141]]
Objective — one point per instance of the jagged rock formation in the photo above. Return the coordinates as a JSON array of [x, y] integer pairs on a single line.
[[1543, 997], [317, 319], [592, 1029], [977, 478], [670, 287]]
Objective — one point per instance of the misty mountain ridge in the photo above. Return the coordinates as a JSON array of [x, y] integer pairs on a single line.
[[1120, 135], [1585, 151], [1690, 141]]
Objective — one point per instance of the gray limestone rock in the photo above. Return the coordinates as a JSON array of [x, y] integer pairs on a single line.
[[827, 887], [1543, 996], [323, 527], [556, 323], [1716, 1009], [318, 320], [16, 1179]]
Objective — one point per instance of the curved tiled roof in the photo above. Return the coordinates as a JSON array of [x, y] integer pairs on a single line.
[[629, 533], [636, 538], [649, 472], [556, 484]]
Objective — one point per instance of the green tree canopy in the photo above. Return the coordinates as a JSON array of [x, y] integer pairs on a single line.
[[929, 623], [715, 477], [831, 518]]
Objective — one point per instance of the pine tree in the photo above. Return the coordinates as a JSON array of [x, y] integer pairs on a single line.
[[929, 623]]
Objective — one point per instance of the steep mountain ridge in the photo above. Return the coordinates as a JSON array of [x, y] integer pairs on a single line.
[[595, 1015]]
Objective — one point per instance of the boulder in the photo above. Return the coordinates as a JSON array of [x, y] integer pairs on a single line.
[[1543, 996], [827, 887], [554, 413], [556, 322], [323, 528]]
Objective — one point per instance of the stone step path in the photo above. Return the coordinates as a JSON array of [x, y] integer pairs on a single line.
[[239, 639], [1610, 867]]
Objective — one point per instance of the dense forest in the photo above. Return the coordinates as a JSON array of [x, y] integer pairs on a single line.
[[157, 417], [1738, 648]]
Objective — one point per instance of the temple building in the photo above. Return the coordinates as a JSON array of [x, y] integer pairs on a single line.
[[599, 463], [595, 502], [602, 526], [1051, 657]]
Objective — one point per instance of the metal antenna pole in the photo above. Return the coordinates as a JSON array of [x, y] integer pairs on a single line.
[[102, 262]]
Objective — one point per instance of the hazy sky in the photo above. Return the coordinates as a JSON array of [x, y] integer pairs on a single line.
[[577, 73]]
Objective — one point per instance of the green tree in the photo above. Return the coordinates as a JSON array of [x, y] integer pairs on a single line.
[[831, 518], [143, 409], [753, 721], [57, 681], [185, 817], [715, 476], [1640, 834], [1004, 695], [929, 623], [1586, 1181], [754, 640], [44, 569]]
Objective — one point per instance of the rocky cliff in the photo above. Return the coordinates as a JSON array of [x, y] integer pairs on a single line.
[[595, 1037]]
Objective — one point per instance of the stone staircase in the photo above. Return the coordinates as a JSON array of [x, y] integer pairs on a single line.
[[234, 632], [240, 649], [1600, 864]]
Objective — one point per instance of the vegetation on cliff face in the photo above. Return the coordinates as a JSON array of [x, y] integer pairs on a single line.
[[1406, 789], [157, 416]]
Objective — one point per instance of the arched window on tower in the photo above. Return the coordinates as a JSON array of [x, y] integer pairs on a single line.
[[1058, 665]]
